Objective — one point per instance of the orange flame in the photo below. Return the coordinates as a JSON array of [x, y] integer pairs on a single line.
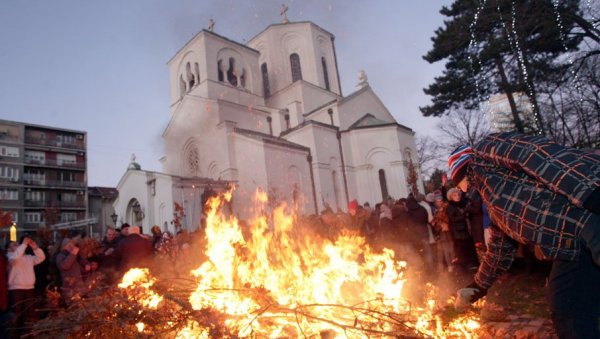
[[281, 280]]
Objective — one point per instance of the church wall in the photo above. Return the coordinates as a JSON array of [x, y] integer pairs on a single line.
[[324, 147], [244, 117], [366, 151], [324, 117], [251, 174], [135, 187], [286, 169], [308, 96], [355, 108], [196, 119]]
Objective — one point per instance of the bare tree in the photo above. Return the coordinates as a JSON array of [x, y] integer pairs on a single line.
[[431, 155], [573, 107], [464, 126]]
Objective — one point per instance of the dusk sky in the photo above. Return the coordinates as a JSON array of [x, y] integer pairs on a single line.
[[101, 66]]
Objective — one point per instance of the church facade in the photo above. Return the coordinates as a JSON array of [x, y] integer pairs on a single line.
[[268, 115]]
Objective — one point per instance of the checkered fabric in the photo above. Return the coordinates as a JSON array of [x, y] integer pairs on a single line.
[[459, 159], [534, 190]]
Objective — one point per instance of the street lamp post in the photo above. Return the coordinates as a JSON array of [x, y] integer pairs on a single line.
[[114, 217]]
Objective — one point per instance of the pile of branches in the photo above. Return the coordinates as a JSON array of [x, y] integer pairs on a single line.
[[113, 312]]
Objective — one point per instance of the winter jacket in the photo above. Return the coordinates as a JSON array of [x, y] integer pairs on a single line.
[[21, 275], [536, 192]]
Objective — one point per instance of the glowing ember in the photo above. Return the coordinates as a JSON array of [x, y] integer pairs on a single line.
[[277, 279], [140, 327]]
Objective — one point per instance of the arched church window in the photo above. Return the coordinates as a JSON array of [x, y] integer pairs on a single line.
[[231, 73], [220, 72], [243, 78], [383, 185], [265, 79], [190, 77], [193, 161], [325, 74], [296, 69], [182, 89], [197, 69], [407, 156]]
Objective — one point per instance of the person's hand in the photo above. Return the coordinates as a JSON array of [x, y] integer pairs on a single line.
[[468, 295], [444, 179], [74, 249], [109, 251], [33, 244]]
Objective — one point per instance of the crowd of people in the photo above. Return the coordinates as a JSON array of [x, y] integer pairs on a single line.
[[36, 268], [439, 231]]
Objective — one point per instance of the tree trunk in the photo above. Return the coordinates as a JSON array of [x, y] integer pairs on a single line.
[[505, 86]]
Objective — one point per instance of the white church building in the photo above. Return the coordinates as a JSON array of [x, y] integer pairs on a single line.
[[268, 115]]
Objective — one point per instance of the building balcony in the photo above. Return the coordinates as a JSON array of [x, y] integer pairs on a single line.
[[12, 160], [55, 204], [54, 143], [9, 138], [9, 203], [35, 203], [54, 163], [55, 183], [9, 181]]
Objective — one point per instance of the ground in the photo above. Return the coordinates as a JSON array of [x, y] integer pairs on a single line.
[[515, 307]]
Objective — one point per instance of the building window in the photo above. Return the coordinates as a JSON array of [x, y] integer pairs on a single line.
[[9, 151], [35, 195], [7, 194], [325, 75], [68, 216], [231, 73], [265, 79], [65, 159], [191, 79], [35, 157], [9, 173], [383, 185], [243, 78], [296, 68], [33, 217], [65, 139], [197, 69], [220, 72]]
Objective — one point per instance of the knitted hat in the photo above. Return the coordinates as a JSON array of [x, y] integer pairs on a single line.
[[430, 197], [458, 161]]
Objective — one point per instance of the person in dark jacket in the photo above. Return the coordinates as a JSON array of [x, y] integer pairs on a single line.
[[464, 248], [539, 193], [474, 211], [134, 250], [71, 266], [417, 225], [109, 263]]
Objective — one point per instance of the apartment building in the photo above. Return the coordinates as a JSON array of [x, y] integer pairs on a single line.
[[43, 174]]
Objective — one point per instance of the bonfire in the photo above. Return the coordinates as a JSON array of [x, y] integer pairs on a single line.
[[276, 276]]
